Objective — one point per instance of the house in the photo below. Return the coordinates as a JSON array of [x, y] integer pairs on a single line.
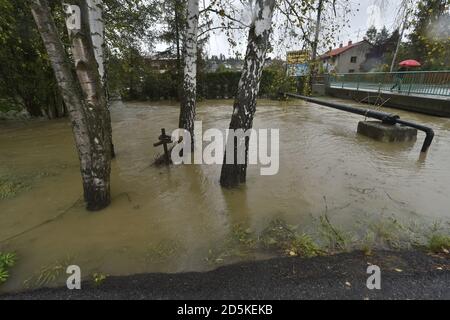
[[160, 64], [346, 59]]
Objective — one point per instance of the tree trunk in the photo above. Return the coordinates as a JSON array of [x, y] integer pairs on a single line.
[[177, 35], [399, 42], [245, 103], [32, 107], [188, 101], [313, 67], [97, 27], [317, 33], [97, 33], [97, 113], [86, 111], [179, 73]]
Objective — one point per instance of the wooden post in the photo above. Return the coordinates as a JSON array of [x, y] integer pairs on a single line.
[[164, 140]]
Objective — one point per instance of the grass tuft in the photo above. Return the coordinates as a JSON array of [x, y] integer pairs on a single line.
[[439, 243], [7, 261]]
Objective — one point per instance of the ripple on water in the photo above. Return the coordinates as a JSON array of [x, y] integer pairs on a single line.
[[324, 165]]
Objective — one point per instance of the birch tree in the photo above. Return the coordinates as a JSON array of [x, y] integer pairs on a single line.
[[404, 11], [83, 95], [188, 101], [244, 107], [97, 29]]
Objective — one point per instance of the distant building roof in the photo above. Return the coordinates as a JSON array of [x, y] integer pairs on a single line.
[[342, 49]]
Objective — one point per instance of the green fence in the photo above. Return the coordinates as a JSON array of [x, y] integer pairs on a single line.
[[436, 83]]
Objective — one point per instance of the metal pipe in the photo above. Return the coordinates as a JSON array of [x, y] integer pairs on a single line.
[[428, 131], [388, 118]]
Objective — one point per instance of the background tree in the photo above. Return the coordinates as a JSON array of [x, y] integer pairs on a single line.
[[405, 10], [383, 43], [174, 23], [430, 37], [129, 35], [371, 34], [313, 26], [26, 77]]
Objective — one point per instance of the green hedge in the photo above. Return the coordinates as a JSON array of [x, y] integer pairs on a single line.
[[217, 85], [160, 86]]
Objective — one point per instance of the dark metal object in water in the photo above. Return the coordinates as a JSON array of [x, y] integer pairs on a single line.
[[385, 117], [164, 140]]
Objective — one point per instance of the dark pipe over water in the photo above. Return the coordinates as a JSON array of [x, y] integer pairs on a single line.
[[385, 117]]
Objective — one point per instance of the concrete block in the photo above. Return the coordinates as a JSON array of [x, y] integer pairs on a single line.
[[318, 89], [387, 133]]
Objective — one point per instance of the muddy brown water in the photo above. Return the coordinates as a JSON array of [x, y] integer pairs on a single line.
[[169, 220]]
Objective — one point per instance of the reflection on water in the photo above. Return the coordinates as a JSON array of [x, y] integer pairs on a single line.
[[168, 219]]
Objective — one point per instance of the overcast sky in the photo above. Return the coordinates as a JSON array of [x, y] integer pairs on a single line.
[[369, 13]]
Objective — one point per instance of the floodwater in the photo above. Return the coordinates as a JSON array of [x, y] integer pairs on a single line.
[[171, 219]]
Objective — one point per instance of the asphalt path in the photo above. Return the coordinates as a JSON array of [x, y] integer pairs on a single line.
[[404, 275]]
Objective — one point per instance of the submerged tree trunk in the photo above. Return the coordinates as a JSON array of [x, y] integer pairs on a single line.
[[245, 103], [97, 113], [84, 101], [188, 101], [33, 108]]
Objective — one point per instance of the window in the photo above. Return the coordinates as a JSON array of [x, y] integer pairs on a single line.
[[351, 71], [353, 59]]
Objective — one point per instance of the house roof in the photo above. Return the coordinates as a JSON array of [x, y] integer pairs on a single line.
[[338, 51]]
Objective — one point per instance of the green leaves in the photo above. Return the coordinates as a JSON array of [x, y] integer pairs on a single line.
[[429, 42], [129, 23], [7, 261], [26, 77], [4, 275]]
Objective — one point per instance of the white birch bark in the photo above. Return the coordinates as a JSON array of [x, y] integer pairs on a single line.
[[79, 96], [399, 42], [188, 101], [245, 103], [97, 27], [97, 113]]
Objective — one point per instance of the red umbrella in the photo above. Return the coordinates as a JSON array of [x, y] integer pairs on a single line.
[[410, 63]]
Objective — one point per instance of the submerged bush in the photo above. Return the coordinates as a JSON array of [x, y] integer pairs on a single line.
[[164, 250], [10, 188]]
